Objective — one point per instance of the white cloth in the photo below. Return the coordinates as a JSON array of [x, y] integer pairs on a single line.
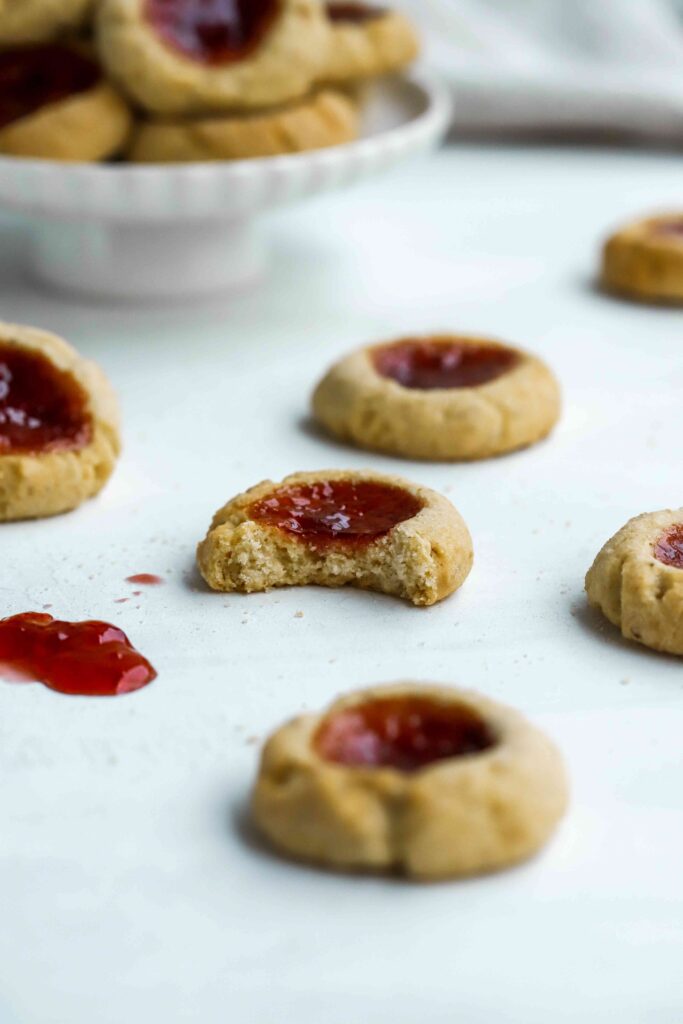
[[560, 65]]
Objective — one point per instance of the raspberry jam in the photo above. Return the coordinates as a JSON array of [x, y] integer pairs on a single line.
[[426, 364], [42, 408], [31, 77], [354, 12], [339, 511], [407, 733], [669, 547], [674, 227], [212, 31], [89, 659], [145, 579]]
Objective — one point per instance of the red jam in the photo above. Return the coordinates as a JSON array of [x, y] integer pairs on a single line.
[[669, 227], [145, 579], [406, 733], [42, 408], [355, 12], [669, 547], [212, 31], [426, 364], [346, 511], [31, 77], [89, 659]]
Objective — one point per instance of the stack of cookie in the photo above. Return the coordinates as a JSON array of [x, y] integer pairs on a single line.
[[159, 81]]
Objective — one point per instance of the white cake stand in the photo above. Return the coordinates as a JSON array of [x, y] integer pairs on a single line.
[[186, 229]]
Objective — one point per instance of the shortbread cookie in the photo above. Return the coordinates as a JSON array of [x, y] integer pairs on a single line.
[[59, 436], [367, 41], [55, 105], [335, 527], [328, 119], [644, 260], [637, 580], [439, 397], [197, 56], [36, 21], [431, 781]]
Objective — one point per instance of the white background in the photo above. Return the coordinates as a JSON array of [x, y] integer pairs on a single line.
[[130, 888]]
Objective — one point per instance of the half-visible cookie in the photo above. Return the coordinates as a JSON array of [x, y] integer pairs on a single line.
[[56, 105], [36, 21], [327, 119], [367, 41], [444, 397], [59, 435], [339, 527], [644, 260], [637, 580], [197, 56], [431, 781]]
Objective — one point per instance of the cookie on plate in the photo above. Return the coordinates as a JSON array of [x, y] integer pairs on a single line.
[[35, 21], [637, 580], [337, 527], [445, 397], [198, 56], [326, 119], [366, 41], [56, 105], [431, 781], [59, 434], [644, 260]]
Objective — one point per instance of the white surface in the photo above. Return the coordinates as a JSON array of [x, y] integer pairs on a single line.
[[129, 891], [183, 229]]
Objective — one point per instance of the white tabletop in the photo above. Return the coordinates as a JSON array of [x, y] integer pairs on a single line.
[[130, 888]]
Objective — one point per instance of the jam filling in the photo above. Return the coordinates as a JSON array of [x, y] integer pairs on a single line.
[[354, 12], [669, 227], [426, 364], [145, 579], [212, 31], [31, 77], [406, 733], [90, 659], [336, 511], [42, 408], [669, 547]]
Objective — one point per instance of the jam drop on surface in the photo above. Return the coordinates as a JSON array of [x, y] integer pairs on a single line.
[[355, 12], [406, 733], [669, 547], [425, 365], [31, 77], [42, 408], [212, 31], [145, 579], [89, 659], [331, 511]]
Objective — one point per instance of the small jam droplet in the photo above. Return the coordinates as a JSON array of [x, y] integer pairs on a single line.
[[406, 733], [145, 579], [669, 547], [353, 12], [33, 76], [90, 659], [426, 364], [212, 31]]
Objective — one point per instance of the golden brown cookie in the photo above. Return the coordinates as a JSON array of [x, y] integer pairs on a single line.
[[367, 41], [431, 781], [55, 105], [644, 260], [439, 397], [327, 119], [35, 21], [637, 580], [59, 435], [337, 527], [194, 57]]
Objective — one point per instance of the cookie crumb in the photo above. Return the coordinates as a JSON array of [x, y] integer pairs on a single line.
[[298, 615]]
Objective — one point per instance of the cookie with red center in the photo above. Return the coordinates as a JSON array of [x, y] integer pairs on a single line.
[[644, 260], [199, 56], [367, 40], [59, 436], [430, 781], [37, 21], [339, 527], [445, 397], [637, 580]]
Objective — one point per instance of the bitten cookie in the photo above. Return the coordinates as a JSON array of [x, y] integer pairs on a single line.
[[637, 580], [644, 260], [35, 21], [55, 105], [194, 56], [367, 41], [431, 781], [59, 435], [439, 397], [337, 527], [327, 119]]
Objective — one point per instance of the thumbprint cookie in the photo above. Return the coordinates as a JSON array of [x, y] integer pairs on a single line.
[[644, 260], [429, 781], [442, 397], [637, 580], [196, 56], [36, 21], [59, 435], [339, 527], [366, 41]]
